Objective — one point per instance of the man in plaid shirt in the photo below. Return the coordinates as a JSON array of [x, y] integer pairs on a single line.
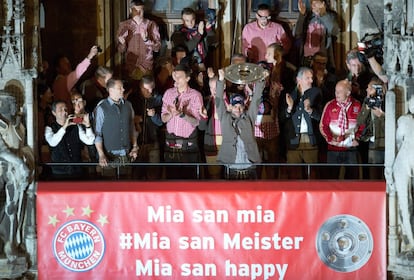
[[266, 129], [181, 110], [138, 39]]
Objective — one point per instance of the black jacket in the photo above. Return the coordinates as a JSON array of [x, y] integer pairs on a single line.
[[293, 119]]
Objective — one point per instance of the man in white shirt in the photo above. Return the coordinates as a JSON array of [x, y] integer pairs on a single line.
[[300, 114], [66, 137]]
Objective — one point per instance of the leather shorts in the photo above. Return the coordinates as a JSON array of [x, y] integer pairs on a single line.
[[241, 174]]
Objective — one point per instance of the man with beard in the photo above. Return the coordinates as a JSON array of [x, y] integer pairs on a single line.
[[257, 35], [239, 147]]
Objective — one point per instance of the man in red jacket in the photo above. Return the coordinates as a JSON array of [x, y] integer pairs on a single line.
[[339, 128]]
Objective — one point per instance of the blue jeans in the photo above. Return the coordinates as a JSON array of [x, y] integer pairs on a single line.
[[344, 157]]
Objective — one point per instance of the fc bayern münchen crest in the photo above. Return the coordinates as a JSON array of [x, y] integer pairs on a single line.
[[78, 245], [344, 243]]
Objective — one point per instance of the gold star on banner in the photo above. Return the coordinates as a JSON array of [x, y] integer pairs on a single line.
[[69, 211], [53, 220], [86, 211], [103, 220]]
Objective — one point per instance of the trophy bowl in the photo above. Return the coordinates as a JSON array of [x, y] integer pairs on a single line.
[[244, 73]]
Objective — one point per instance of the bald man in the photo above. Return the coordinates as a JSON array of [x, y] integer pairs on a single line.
[[339, 126]]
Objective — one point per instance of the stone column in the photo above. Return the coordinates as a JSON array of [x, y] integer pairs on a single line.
[[399, 59]]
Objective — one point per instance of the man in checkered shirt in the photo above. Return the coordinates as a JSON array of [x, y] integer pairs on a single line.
[[180, 112]]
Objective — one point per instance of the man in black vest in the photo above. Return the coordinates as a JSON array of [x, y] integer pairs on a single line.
[[116, 136], [65, 138]]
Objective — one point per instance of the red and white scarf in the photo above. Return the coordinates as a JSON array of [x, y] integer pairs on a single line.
[[342, 118]]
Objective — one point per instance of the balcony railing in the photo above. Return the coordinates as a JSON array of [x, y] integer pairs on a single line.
[[205, 171]]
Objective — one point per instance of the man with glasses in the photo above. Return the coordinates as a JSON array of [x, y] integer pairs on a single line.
[[257, 35]]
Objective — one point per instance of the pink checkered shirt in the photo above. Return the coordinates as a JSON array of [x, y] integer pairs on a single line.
[[191, 101], [267, 130], [137, 52], [256, 39]]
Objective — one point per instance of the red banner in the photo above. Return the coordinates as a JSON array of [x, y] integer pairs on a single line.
[[211, 230]]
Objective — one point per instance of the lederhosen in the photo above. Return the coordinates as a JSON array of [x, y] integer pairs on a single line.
[[181, 149]]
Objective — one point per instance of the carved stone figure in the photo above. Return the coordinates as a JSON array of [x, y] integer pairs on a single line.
[[403, 174], [14, 180], [18, 240], [11, 129], [14, 176]]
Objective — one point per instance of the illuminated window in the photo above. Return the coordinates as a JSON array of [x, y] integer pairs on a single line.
[[285, 8], [174, 7]]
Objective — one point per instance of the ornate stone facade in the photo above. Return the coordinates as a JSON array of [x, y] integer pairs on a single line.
[[18, 62], [399, 167], [18, 247]]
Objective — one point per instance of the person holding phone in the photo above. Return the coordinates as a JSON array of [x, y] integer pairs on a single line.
[[67, 78], [65, 139]]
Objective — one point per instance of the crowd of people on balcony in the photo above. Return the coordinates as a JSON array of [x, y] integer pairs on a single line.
[[178, 109]]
